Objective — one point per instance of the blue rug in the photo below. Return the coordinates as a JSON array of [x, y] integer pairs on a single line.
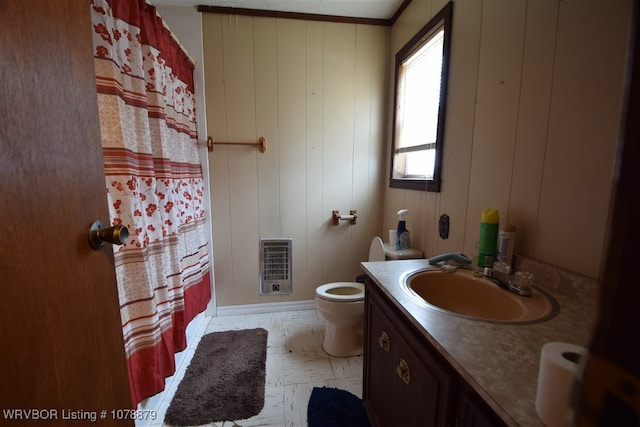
[[332, 407]]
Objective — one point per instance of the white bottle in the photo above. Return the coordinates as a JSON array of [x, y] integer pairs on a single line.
[[506, 238]]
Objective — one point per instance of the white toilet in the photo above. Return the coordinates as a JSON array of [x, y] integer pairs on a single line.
[[342, 306]]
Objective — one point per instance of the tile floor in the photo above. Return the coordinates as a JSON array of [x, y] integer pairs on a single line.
[[295, 364]]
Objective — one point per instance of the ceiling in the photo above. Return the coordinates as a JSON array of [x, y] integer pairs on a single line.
[[368, 9]]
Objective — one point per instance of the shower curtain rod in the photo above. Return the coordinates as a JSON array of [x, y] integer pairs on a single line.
[[173, 36]]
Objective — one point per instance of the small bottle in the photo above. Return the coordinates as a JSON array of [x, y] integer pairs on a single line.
[[403, 241], [506, 238], [488, 237]]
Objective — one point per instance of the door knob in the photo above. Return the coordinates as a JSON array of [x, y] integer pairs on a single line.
[[99, 233]]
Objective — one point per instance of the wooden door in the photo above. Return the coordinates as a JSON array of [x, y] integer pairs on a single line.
[[61, 346], [610, 386]]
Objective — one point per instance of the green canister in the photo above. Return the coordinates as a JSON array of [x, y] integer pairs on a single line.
[[489, 225]]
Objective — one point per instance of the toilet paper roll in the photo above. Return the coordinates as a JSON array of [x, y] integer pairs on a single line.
[[393, 236], [558, 368]]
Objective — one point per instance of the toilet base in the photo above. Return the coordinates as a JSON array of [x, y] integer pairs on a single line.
[[343, 341]]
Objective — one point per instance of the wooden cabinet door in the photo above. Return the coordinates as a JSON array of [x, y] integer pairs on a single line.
[[473, 412], [60, 331], [401, 387]]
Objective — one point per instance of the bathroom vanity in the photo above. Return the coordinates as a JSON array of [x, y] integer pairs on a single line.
[[424, 367], [406, 381]]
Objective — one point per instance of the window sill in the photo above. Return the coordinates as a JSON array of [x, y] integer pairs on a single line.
[[415, 184]]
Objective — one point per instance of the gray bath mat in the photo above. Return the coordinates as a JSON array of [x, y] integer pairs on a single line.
[[224, 381]]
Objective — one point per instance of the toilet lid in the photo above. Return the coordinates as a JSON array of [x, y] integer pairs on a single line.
[[341, 291], [376, 250]]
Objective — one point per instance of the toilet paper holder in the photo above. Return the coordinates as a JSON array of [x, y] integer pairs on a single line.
[[353, 215]]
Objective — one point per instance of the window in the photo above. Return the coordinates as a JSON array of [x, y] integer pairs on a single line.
[[422, 67]]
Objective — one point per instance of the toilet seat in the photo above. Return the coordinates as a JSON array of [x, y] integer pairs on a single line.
[[341, 291]]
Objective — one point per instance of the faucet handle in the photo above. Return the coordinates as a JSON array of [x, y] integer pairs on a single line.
[[522, 283]]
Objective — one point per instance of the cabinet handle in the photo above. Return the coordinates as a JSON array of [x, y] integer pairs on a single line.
[[403, 371], [383, 341]]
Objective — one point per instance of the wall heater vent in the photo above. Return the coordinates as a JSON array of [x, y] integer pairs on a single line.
[[275, 266]]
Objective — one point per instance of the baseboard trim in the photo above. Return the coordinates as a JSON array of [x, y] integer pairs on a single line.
[[269, 307]]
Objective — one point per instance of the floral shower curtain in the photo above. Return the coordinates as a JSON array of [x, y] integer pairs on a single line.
[[154, 185]]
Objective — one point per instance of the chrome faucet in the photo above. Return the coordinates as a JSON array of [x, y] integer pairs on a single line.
[[500, 274], [505, 281]]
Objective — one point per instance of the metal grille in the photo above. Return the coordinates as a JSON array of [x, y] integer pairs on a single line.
[[275, 266]]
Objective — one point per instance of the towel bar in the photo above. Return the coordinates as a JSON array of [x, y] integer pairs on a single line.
[[262, 142]]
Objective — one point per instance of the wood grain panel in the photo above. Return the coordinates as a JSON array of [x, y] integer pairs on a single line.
[[240, 103], [60, 326], [306, 95], [533, 120], [337, 151], [585, 112], [292, 125], [463, 81], [371, 77], [499, 77], [316, 216], [219, 168], [266, 79]]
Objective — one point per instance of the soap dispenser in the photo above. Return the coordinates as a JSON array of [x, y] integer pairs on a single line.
[[403, 241]]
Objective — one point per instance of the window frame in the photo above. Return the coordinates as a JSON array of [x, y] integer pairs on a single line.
[[444, 18]]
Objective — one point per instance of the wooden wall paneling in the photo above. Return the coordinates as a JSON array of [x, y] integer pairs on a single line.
[[239, 73], [292, 146], [221, 217], [533, 121], [214, 76], [412, 200], [404, 28], [266, 92], [437, 5], [583, 131], [426, 224], [316, 216], [416, 15], [240, 105], [499, 75], [363, 192], [378, 165], [371, 80], [266, 81], [337, 151], [218, 160], [243, 205], [314, 171], [461, 108], [422, 13]]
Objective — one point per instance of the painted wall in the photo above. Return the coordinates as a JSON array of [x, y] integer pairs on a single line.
[[534, 107], [317, 92]]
